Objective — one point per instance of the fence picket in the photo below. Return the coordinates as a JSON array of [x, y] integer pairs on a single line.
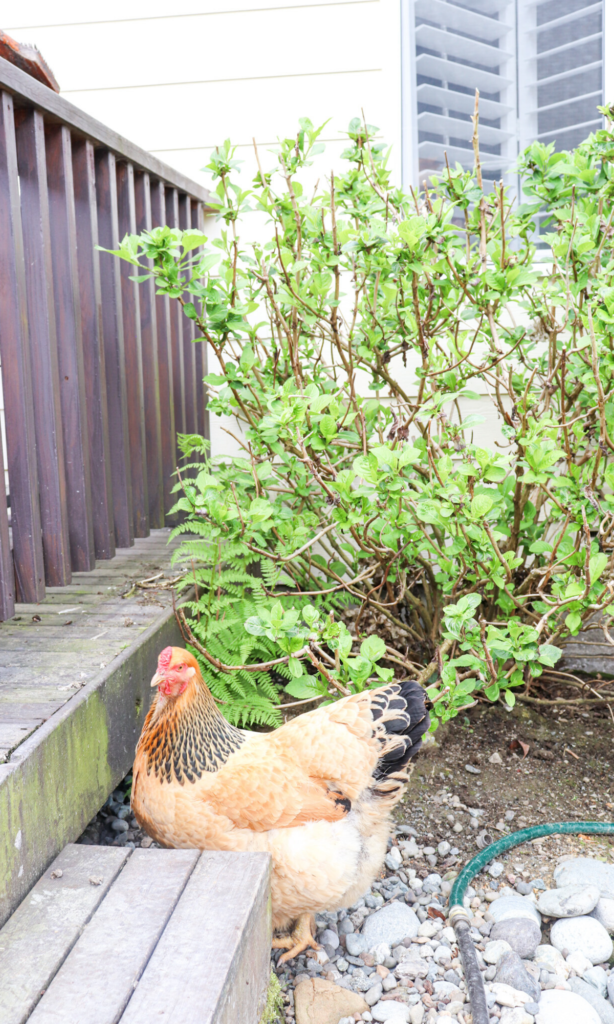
[[149, 351], [84, 174], [172, 219], [16, 362], [31, 160], [70, 346], [131, 314], [113, 336], [165, 362]]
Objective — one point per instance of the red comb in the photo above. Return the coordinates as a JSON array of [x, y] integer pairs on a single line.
[[164, 659]]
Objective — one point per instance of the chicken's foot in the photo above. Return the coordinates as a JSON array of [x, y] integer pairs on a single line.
[[300, 940]]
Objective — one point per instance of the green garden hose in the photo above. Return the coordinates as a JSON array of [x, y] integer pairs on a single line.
[[459, 918]]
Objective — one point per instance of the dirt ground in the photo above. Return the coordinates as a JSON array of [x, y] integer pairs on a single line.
[[553, 766]]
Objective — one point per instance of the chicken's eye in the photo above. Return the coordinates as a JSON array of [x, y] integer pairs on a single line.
[[180, 668]]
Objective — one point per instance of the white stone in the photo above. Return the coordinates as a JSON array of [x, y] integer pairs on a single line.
[[584, 934], [412, 967], [445, 1018], [568, 901], [551, 959], [604, 913], [505, 995], [416, 1013], [516, 1016], [380, 952], [579, 963], [556, 1007], [441, 954], [394, 859], [443, 848], [409, 849], [514, 906], [495, 758], [391, 1010], [496, 869], [427, 929], [391, 924], [586, 871], [448, 933], [495, 950]]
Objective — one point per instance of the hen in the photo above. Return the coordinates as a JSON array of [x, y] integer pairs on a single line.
[[316, 793]]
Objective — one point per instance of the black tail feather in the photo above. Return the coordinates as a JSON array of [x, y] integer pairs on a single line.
[[409, 728]]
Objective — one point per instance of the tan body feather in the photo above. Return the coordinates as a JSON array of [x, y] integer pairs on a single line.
[[285, 792]]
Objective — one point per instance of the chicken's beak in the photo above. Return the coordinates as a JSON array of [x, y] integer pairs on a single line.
[[157, 679]]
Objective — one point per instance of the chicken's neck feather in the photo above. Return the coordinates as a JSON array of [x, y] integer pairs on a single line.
[[183, 739]]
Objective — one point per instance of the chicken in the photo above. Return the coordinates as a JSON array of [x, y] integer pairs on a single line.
[[316, 793]]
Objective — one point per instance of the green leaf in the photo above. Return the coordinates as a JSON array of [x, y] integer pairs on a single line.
[[549, 655], [597, 565], [373, 648], [302, 688], [295, 667], [573, 621], [510, 698], [481, 505]]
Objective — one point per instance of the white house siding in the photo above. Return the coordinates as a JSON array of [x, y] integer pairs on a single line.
[[180, 83]]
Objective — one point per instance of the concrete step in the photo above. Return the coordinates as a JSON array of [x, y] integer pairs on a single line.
[[114, 936]]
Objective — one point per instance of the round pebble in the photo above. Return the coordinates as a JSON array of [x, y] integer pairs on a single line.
[[391, 924], [495, 950], [604, 913], [583, 934], [556, 1007], [514, 907]]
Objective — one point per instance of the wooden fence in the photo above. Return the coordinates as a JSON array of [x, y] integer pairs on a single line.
[[98, 372]]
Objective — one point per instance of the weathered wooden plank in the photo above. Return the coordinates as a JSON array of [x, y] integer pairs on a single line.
[[176, 318], [16, 362], [29, 92], [44, 347], [41, 932], [225, 964], [131, 315], [165, 362], [98, 977], [70, 346], [93, 349], [113, 337], [15, 712], [189, 360], [149, 350]]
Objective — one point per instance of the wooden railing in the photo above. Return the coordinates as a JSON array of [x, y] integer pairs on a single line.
[[99, 373]]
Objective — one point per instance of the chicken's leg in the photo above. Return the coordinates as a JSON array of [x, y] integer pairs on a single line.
[[300, 940]]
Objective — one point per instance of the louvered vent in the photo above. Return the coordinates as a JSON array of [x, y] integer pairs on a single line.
[[538, 67]]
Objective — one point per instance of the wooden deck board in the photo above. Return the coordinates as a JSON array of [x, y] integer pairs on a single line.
[[44, 662], [176, 936]]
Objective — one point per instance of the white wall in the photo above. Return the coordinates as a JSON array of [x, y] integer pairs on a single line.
[[178, 84]]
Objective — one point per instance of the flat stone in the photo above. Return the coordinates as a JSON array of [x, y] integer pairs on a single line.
[[322, 1002], [601, 1005], [495, 950], [604, 913], [569, 901], [586, 871], [584, 934], [511, 971], [598, 979], [389, 1010], [557, 1007], [412, 967], [611, 988], [374, 994], [514, 906], [391, 924], [522, 934]]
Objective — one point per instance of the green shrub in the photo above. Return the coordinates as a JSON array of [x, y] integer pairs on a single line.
[[355, 487]]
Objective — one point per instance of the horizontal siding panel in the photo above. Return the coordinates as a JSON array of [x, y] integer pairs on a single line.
[[36, 13], [220, 47]]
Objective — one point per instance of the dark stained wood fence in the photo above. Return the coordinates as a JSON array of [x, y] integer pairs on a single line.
[[98, 372]]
